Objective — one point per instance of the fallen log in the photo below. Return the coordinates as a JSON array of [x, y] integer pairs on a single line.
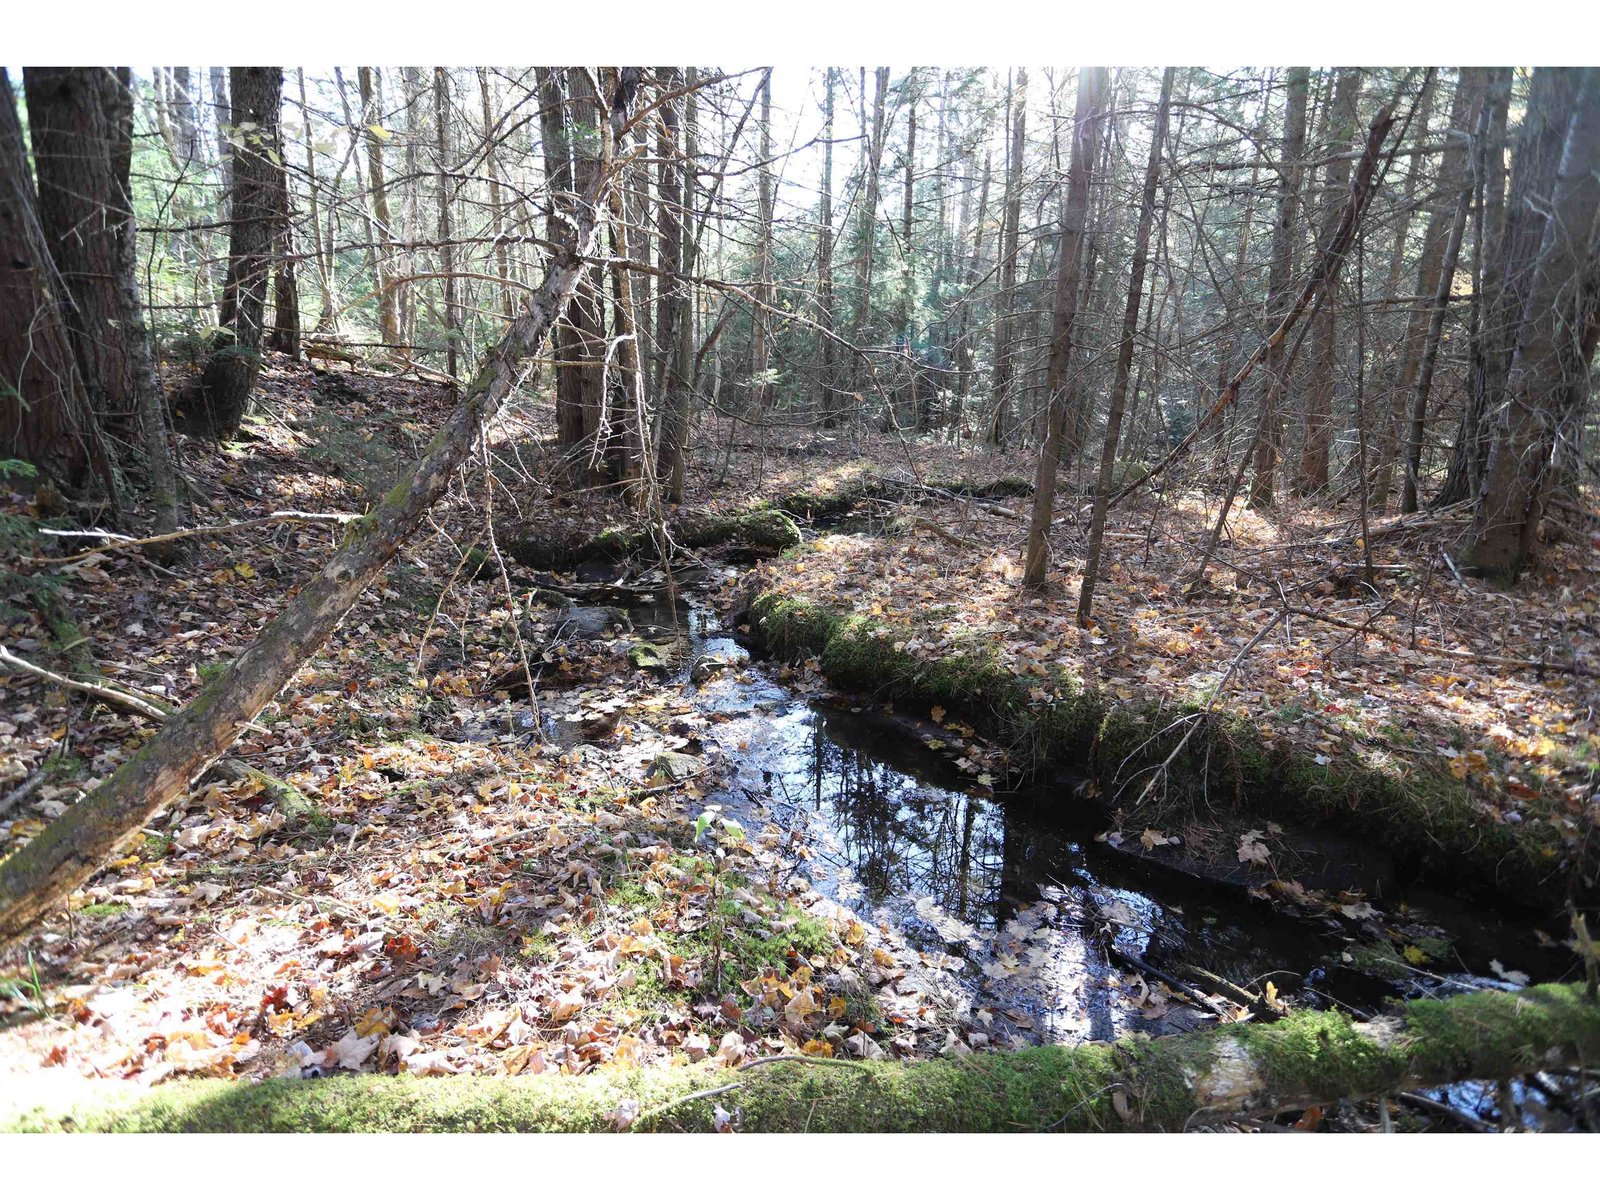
[[1167, 1084], [69, 851]]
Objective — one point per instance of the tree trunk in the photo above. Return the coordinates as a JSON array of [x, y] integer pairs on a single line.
[[1469, 97], [213, 404], [327, 318], [70, 850], [1171, 1084], [1507, 281], [674, 294], [872, 159], [153, 427], [1550, 356], [1074, 233], [760, 320], [447, 250], [284, 336], [378, 194], [1005, 301], [1119, 380], [964, 352], [1435, 242], [497, 217], [1280, 279], [907, 250], [569, 130], [827, 400], [1324, 325], [45, 415], [82, 208]]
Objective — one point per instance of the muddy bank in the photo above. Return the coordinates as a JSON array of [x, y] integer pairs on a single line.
[[1217, 763]]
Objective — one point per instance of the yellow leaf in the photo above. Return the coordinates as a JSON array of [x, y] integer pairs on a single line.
[[244, 570], [1415, 955]]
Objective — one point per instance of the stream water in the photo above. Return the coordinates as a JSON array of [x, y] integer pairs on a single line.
[[1005, 904]]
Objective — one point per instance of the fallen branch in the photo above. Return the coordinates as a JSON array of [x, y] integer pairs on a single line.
[[120, 541], [123, 700]]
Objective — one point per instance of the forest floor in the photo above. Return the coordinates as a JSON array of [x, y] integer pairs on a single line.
[[441, 893]]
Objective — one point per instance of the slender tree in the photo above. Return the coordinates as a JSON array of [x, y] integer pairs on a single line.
[[1087, 121]]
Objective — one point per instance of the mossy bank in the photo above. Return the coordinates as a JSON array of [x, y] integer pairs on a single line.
[[1428, 821]]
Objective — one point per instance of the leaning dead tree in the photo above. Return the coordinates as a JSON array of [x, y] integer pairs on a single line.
[[72, 848]]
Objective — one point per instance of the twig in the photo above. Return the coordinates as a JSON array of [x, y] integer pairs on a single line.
[[1444, 1110], [120, 541], [19, 794], [110, 695]]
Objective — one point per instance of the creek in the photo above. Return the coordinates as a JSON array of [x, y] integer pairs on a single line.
[[1009, 906]]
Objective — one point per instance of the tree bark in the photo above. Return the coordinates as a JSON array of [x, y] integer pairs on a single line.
[[1325, 324], [1471, 96], [82, 208], [447, 250], [674, 295], [1435, 243], [867, 230], [827, 398], [45, 415], [569, 128], [1550, 369], [1509, 275], [378, 197], [1074, 232], [73, 847], [1005, 301], [1119, 380], [215, 403], [1280, 278], [1167, 1084]]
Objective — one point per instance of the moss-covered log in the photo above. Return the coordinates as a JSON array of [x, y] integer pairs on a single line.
[[1166, 1084], [1430, 822], [762, 527], [766, 525]]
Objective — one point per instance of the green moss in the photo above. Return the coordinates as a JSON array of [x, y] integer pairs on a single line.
[[103, 910]]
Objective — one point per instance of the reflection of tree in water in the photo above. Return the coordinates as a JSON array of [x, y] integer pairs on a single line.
[[902, 837]]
